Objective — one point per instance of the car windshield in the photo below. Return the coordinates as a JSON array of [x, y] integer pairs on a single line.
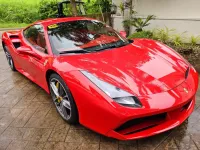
[[83, 36]]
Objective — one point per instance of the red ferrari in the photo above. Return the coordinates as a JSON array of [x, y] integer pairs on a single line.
[[125, 89]]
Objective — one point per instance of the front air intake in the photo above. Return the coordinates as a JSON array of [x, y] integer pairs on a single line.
[[140, 124]]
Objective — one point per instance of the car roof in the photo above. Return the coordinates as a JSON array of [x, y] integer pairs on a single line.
[[48, 22]]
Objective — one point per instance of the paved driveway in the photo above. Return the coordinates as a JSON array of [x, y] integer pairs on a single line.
[[0, 40], [28, 120]]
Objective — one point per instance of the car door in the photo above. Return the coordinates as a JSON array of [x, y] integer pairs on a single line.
[[23, 59], [36, 64]]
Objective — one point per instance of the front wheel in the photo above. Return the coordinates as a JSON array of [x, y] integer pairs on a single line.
[[63, 99], [9, 58]]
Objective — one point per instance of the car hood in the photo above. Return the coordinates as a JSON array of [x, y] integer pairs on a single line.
[[137, 68]]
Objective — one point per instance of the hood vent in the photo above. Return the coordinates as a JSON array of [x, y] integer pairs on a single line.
[[187, 72]]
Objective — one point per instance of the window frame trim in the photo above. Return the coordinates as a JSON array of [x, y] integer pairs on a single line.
[[29, 44]]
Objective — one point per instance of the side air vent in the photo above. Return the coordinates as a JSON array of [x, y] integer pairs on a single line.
[[185, 107], [187, 72], [17, 44], [14, 36], [15, 40]]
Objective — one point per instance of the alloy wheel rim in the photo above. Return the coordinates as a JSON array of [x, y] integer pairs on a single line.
[[60, 98], [9, 59]]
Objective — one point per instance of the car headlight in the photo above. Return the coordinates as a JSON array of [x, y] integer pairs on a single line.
[[118, 95]]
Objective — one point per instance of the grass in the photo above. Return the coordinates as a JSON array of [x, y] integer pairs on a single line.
[[12, 25]]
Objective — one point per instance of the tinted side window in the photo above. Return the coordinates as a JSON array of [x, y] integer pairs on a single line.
[[35, 36]]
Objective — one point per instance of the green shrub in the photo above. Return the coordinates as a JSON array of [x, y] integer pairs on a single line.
[[105, 5], [122, 8], [177, 39], [142, 34], [194, 40], [14, 12], [48, 9], [126, 25], [138, 23], [163, 35], [28, 11], [95, 6], [90, 7]]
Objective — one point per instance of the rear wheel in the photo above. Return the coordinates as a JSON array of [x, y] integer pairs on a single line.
[[63, 99], [9, 58]]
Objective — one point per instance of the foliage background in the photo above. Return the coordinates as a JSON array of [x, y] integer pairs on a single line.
[[20, 11], [28, 11]]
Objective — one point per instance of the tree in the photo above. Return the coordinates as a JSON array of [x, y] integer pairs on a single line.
[[140, 23], [74, 9], [127, 9]]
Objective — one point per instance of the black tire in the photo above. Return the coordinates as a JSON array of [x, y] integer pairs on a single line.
[[73, 117], [9, 58]]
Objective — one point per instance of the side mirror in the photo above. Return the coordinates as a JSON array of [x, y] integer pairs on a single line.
[[123, 33], [24, 50]]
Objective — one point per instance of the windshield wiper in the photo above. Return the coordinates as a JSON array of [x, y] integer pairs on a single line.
[[95, 49], [75, 51], [115, 45], [111, 47]]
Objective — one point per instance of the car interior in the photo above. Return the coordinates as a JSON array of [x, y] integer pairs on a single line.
[[35, 37]]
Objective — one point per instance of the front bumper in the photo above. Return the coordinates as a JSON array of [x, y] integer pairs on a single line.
[[173, 119], [101, 114]]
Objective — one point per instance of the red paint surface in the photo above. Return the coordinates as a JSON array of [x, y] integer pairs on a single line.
[[147, 69]]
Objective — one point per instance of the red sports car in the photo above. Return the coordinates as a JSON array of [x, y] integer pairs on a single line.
[[125, 89]]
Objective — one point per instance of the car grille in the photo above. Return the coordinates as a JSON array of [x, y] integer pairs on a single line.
[[140, 124]]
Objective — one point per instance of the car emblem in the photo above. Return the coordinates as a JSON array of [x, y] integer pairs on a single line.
[[186, 90], [46, 61]]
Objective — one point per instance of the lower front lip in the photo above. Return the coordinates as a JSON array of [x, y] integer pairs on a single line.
[[173, 119]]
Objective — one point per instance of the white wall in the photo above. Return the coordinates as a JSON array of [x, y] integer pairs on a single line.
[[172, 9], [182, 15]]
